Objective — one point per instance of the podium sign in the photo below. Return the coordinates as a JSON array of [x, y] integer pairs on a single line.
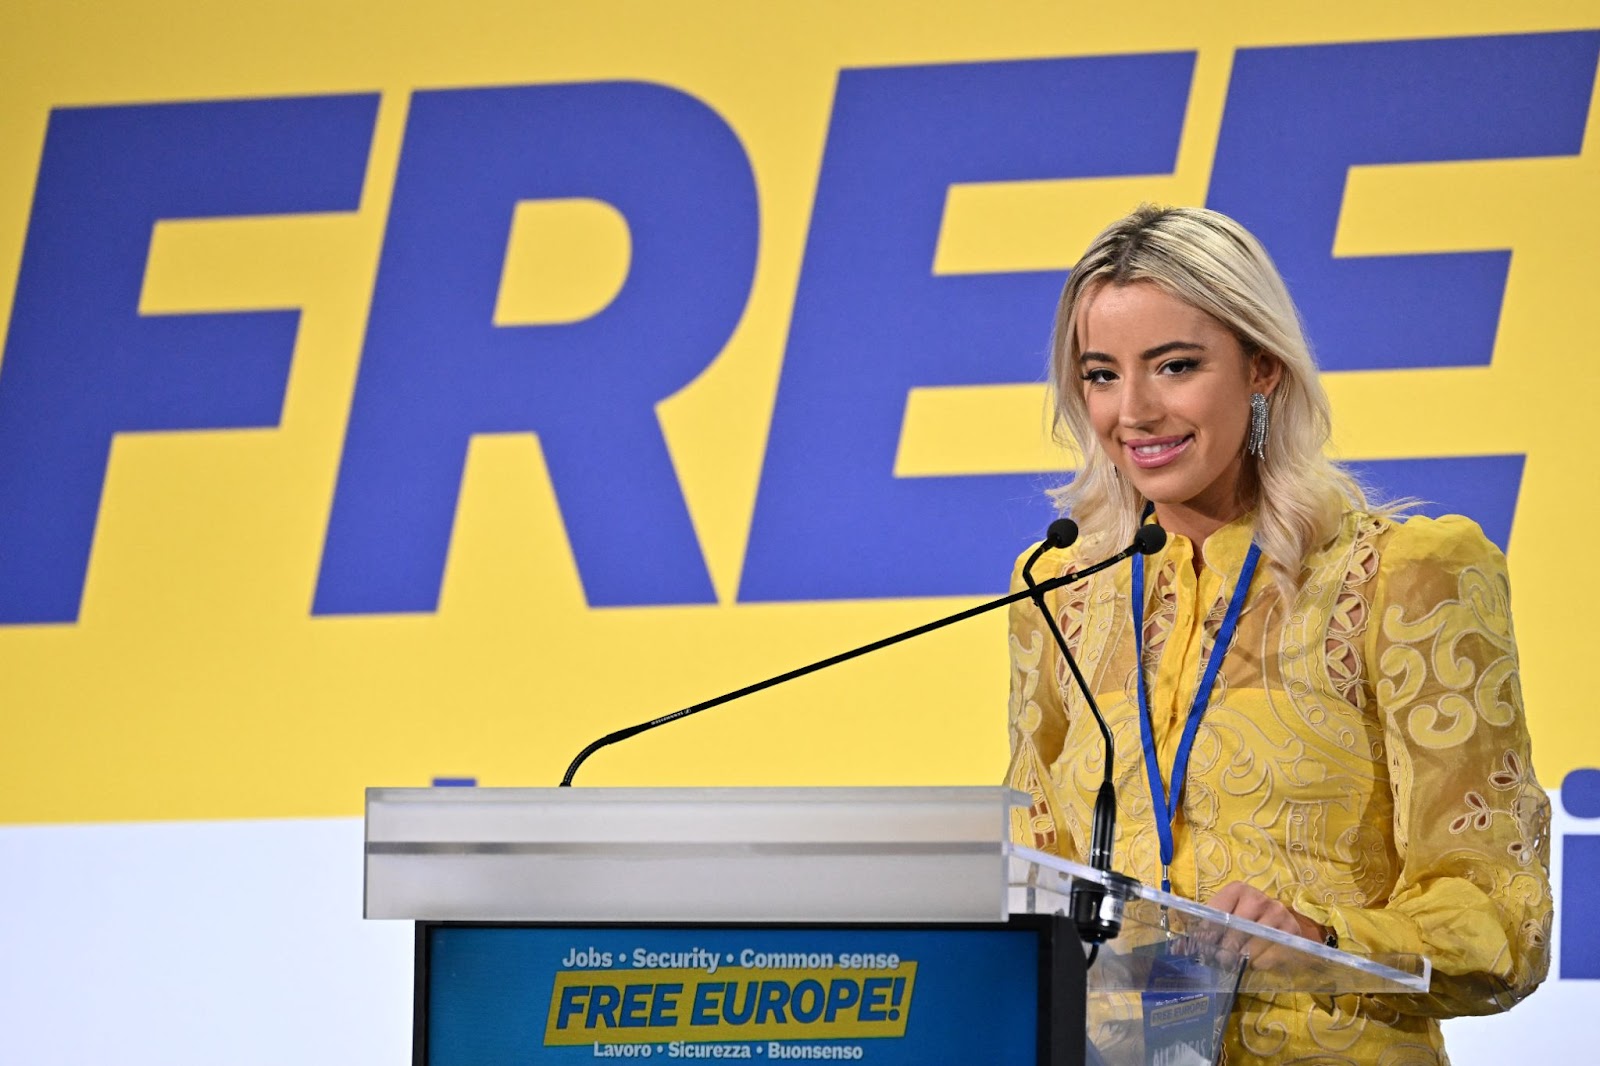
[[512, 993]]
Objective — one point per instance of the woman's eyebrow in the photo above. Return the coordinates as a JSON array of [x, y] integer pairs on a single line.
[[1151, 353]]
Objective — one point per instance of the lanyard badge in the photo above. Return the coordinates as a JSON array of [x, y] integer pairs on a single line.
[[1163, 800]]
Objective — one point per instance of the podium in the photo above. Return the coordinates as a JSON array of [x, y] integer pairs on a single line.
[[883, 925]]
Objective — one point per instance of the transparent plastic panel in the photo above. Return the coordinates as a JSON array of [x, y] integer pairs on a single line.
[[1266, 960], [1164, 1001]]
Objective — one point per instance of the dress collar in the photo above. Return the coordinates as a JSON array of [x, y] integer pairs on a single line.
[[1224, 550]]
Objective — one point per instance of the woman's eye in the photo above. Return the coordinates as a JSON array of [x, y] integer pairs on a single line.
[[1178, 366], [1098, 377]]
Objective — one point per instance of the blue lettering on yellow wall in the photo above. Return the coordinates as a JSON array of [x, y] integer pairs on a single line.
[[81, 364], [1580, 874], [1298, 119], [871, 321], [1482, 487], [436, 369]]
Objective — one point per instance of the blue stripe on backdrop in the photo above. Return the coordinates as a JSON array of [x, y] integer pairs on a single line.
[[1482, 487]]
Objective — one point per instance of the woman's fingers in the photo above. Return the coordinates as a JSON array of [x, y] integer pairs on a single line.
[[1248, 902]]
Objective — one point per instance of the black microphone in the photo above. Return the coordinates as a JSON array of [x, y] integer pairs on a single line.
[[1097, 922], [1059, 528], [1150, 539]]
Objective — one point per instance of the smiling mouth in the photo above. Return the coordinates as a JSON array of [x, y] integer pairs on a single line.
[[1148, 454]]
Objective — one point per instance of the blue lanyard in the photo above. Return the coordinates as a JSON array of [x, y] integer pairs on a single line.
[[1165, 802]]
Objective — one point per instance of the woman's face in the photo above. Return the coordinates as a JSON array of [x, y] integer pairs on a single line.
[[1168, 390]]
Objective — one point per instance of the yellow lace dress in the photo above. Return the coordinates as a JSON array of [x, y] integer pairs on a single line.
[[1364, 759]]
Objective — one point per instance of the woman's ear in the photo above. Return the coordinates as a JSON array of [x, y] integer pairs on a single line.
[[1266, 370]]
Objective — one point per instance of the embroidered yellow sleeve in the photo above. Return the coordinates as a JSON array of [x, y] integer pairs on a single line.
[[1038, 727], [1471, 824]]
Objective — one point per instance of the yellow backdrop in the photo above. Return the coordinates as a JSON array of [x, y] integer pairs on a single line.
[[196, 683]]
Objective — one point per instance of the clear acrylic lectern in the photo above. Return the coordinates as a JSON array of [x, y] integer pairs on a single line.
[[834, 858]]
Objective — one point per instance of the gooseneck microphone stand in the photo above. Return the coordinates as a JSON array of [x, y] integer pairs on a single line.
[[1096, 912], [834, 660]]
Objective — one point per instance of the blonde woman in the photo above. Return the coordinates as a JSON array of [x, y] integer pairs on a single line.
[[1358, 769]]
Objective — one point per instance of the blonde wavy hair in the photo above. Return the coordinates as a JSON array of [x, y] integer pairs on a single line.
[[1212, 263]]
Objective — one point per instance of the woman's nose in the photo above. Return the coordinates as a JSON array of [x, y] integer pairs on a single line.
[[1139, 405]]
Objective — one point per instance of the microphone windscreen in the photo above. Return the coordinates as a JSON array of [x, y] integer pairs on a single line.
[[1062, 533], [1149, 540]]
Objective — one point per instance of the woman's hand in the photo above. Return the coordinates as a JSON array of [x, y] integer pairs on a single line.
[[1251, 903], [1246, 901]]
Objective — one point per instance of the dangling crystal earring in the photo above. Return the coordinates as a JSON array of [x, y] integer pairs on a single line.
[[1256, 443]]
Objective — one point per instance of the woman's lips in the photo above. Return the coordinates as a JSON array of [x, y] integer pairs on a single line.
[[1156, 451]]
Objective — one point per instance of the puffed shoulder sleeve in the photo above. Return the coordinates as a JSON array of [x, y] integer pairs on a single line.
[[1471, 824], [1038, 723]]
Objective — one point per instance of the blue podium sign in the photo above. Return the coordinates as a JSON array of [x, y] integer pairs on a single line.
[[504, 994]]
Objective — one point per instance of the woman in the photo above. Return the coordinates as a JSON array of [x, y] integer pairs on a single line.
[[1360, 774]]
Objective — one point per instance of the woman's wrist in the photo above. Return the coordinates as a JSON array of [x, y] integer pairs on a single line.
[[1322, 934]]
